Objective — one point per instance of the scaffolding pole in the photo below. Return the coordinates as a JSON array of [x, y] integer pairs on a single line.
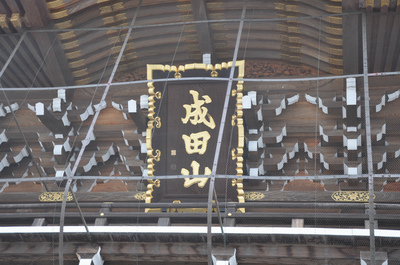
[[371, 207]]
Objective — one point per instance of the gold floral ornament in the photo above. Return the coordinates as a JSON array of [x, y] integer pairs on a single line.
[[351, 196], [141, 196], [54, 197], [253, 196]]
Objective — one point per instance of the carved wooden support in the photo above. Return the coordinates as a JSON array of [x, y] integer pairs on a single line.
[[137, 115], [251, 117], [60, 154], [39, 222], [57, 126]]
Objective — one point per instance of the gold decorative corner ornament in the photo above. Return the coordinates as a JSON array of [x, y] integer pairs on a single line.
[[157, 157], [351, 196], [157, 120], [141, 196], [253, 196], [233, 121], [54, 197]]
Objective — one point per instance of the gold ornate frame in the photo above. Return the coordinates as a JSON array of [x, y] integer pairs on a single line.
[[154, 155]]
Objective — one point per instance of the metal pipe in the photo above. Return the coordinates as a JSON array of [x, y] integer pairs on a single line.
[[248, 205], [368, 140], [248, 216], [185, 79], [211, 190], [260, 178], [80, 214]]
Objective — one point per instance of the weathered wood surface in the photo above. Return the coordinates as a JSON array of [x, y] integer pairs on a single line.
[[185, 252]]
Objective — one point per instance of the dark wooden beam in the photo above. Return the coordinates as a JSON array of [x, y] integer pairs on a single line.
[[270, 196], [383, 30], [204, 35], [37, 13], [13, 6], [372, 35], [116, 252], [49, 45], [351, 38], [393, 43], [16, 67]]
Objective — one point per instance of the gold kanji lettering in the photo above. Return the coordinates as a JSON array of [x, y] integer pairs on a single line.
[[196, 113], [201, 182], [196, 142]]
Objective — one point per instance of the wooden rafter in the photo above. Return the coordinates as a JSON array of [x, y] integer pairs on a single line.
[[203, 29]]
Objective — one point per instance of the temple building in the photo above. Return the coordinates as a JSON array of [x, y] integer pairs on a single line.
[[219, 132]]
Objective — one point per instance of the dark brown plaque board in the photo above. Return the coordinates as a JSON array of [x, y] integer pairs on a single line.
[[183, 127]]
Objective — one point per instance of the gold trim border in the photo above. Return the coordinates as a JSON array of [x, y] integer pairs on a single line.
[[152, 110], [54, 197], [351, 196]]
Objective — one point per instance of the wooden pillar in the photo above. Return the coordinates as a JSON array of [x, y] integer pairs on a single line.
[[102, 221], [230, 220]]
